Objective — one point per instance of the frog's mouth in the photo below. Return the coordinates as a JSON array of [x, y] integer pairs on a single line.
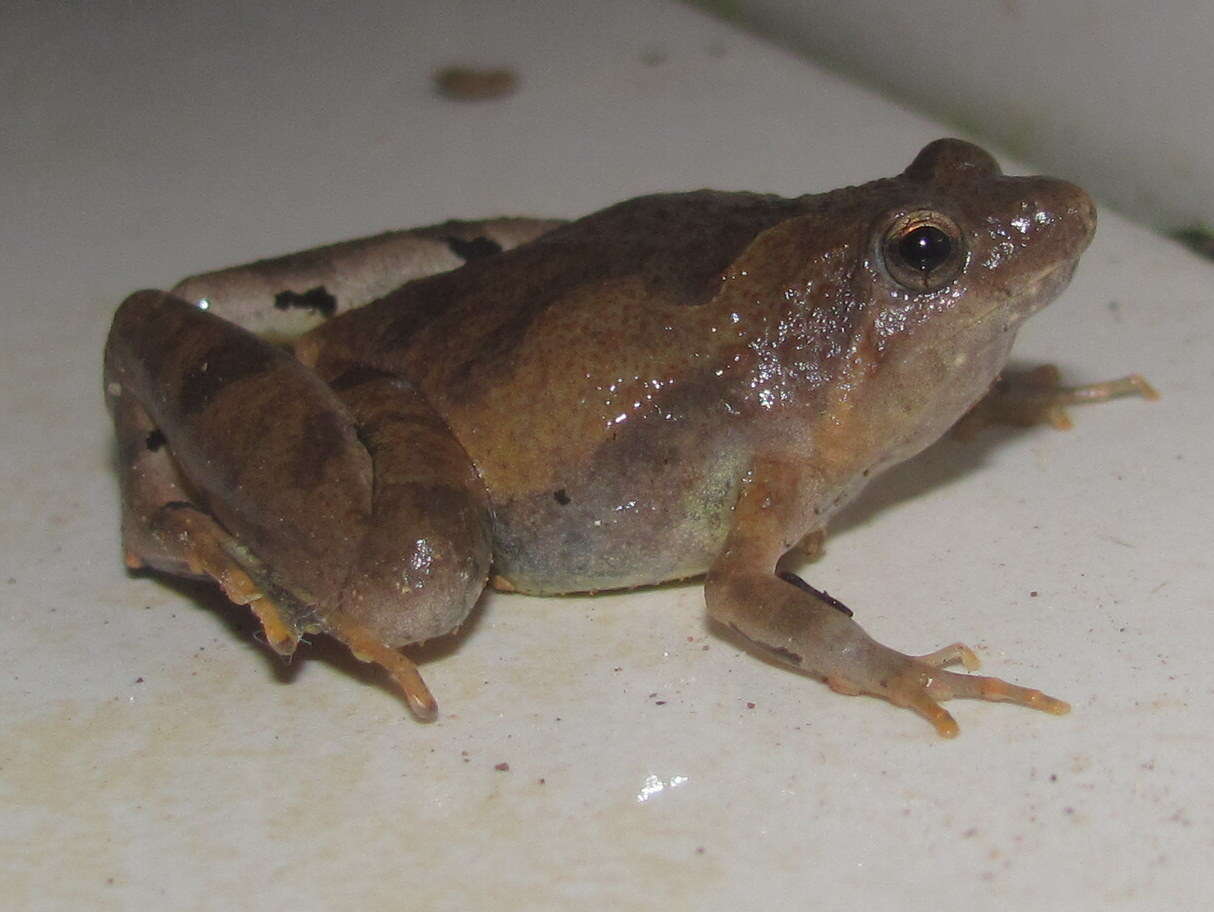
[[1048, 286], [1030, 297], [1006, 315]]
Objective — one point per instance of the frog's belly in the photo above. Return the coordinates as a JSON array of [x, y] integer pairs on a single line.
[[614, 530]]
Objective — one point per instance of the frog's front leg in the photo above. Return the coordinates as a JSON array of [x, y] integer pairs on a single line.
[[798, 626], [349, 510], [1037, 396]]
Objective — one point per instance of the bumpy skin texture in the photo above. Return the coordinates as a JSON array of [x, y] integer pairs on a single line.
[[678, 384]]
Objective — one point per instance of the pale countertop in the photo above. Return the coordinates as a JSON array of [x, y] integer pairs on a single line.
[[154, 755]]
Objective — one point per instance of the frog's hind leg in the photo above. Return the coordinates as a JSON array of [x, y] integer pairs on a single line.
[[239, 464], [163, 528], [288, 295], [166, 356], [426, 556]]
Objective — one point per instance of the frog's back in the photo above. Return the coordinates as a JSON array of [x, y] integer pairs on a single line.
[[670, 248], [544, 342]]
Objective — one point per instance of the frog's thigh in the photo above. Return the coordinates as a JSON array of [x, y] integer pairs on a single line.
[[425, 558], [232, 453]]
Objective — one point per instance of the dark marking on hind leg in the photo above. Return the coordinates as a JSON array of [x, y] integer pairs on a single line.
[[475, 249], [317, 300]]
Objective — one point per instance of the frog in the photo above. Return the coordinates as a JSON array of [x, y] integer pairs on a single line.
[[358, 440]]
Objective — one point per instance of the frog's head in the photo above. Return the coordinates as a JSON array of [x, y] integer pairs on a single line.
[[911, 290], [964, 244]]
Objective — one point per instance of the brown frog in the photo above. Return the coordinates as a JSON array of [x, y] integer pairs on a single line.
[[680, 384]]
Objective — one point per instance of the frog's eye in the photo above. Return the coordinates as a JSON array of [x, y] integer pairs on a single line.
[[923, 251]]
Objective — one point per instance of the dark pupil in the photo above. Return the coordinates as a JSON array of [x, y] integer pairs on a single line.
[[925, 248]]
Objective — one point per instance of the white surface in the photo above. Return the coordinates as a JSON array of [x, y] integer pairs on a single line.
[[155, 756], [1116, 91]]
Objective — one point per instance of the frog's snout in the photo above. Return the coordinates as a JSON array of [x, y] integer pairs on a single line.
[[1077, 212], [1083, 207]]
